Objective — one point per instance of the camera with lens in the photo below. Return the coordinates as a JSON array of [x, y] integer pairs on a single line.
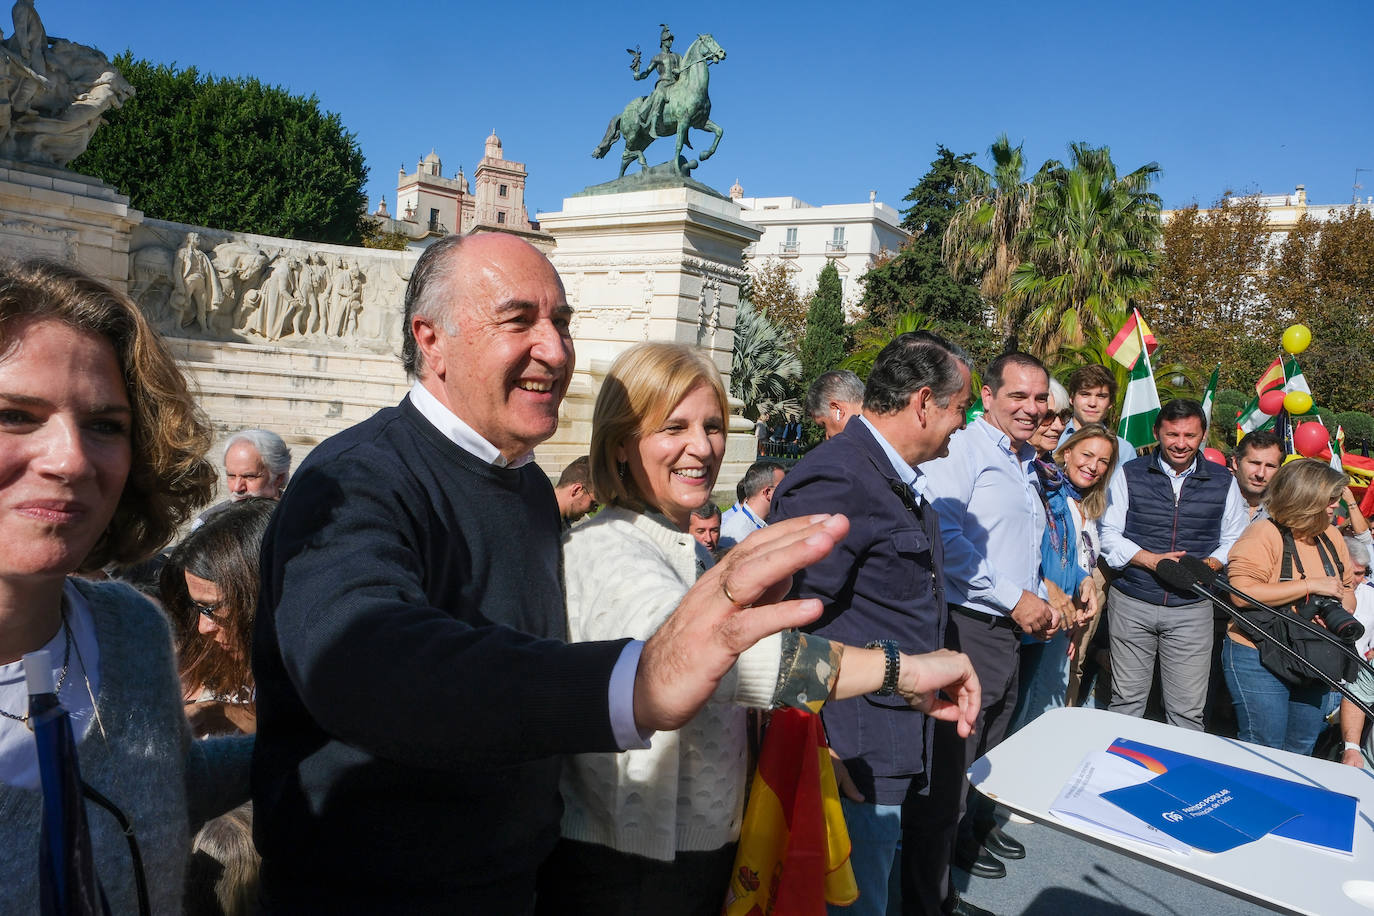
[[1337, 619]]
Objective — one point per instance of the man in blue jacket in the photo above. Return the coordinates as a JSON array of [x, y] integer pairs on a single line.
[[883, 582]]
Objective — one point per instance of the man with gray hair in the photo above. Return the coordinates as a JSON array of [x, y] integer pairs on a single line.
[[753, 494], [414, 690], [883, 584], [833, 398], [257, 462]]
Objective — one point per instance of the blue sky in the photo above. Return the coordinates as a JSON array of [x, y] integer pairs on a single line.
[[823, 101]]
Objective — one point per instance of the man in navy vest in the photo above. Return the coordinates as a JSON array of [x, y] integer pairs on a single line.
[[1163, 505]]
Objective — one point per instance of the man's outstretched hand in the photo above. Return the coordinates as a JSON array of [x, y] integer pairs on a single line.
[[729, 609]]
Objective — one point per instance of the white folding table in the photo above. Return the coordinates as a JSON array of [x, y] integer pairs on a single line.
[[1027, 771]]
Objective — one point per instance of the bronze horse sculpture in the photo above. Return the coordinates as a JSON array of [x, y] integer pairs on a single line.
[[686, 105]]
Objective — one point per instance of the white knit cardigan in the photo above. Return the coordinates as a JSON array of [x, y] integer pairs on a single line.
[[625, 572]]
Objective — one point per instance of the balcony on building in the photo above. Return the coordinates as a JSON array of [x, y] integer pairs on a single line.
[[836, 249], [788, 249]]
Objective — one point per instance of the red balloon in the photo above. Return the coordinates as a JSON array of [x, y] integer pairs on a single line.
[[1215, 456], [1271, 402], [1311, 440]]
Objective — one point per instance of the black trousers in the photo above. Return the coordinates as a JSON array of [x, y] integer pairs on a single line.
[[584, 879], [932, 823]]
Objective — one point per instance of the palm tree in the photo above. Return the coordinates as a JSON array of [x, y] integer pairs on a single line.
[[764, 365], [872, 340], [985, 236], [1090, 250]]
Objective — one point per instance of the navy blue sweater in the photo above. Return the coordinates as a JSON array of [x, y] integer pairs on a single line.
[[413, 688]]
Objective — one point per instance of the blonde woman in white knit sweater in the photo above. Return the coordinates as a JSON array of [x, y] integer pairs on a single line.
[[653, 830]]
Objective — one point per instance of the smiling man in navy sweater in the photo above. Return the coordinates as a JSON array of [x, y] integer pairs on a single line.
[[414, 689]]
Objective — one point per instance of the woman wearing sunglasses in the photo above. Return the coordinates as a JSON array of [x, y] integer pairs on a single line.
[[210, 591]]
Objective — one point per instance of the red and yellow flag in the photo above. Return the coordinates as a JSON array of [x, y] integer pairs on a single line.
[[793, 855], [1272, 377], [1125, 346]]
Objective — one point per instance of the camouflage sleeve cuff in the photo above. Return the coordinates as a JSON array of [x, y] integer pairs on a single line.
[[808, 670]]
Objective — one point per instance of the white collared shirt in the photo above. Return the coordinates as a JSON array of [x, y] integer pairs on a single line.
[[910, 475], [458, 432]]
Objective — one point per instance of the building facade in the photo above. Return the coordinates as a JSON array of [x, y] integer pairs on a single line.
[[430, 205], [805, 238]]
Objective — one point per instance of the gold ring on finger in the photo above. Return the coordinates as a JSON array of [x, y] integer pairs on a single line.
[[725, 587]]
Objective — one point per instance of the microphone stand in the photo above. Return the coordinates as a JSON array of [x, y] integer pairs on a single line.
[[1182, 578]]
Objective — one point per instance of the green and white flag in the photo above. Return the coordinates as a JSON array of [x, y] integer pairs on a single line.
[[1209, 396], [1141, 404], [1251, 419], [1293, 379], [1338, 449]]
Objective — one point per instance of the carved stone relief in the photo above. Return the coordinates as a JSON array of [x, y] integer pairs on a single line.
[[249, 289]]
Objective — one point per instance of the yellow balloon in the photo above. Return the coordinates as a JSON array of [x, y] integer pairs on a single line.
[[1296, 339], [1297, 403]]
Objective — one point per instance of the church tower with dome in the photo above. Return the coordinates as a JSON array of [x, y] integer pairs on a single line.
[[430, 205], [499, 186]]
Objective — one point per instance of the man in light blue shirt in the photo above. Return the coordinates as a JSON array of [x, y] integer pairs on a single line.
[[992, 520], [754, 494]]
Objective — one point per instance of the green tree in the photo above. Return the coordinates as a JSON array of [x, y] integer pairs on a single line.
[[1207, 304], [764, 366], [1090, 247], [986, 236], [370, 229], [823, 346], [230, 154], [772, 290], [915, 278], [1339, 363]]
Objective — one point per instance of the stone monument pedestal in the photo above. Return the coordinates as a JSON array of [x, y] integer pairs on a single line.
[[52, 213], [663, 264]]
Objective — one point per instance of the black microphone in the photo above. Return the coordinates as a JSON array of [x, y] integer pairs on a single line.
[[1179, 579], [1348, 630], [1193, 575]]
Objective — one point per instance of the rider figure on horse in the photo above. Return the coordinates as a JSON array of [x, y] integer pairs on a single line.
[[667, 64]]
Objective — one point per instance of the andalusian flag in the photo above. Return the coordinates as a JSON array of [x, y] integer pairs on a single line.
[[1134, 337], [1272, 378], [1283, 372], [1210, 396], [1338, 449], [1293, 379], [1141, 404], [793, 854], [1251, 418]]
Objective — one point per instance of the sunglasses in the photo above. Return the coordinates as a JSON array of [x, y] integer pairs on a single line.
[[208, 612]]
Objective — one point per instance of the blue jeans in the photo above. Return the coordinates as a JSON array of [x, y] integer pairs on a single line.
[[1043, 678], [1268, 711], [874, 831]]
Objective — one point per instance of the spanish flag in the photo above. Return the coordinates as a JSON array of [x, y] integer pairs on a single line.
[[793, 855], [1272, 378], [1126, 345]]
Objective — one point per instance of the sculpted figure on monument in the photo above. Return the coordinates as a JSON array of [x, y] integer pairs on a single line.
[[240, 268], [665, 63], [196, 290], [346, 299], [53, 92], [679, 101]]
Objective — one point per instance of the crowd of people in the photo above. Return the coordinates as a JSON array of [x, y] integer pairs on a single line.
[[416, 675]]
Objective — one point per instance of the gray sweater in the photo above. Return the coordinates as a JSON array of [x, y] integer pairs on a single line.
[[146, 763]]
